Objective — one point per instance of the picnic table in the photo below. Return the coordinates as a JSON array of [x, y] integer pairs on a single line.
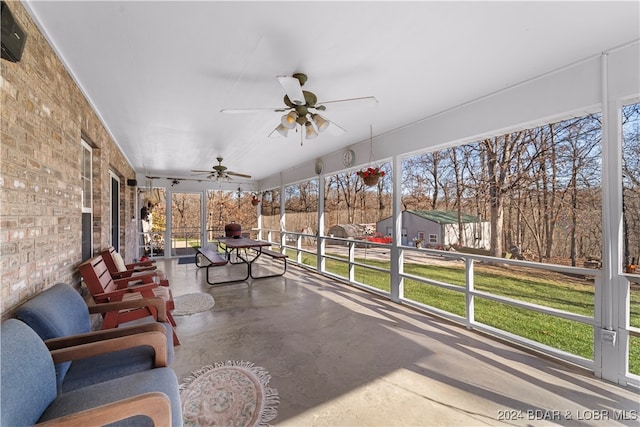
[[236, 250]]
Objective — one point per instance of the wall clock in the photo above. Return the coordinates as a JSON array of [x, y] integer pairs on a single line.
[[348, 158]]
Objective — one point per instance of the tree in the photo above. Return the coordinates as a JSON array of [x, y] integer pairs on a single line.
[[543, 193], [579, 154], [383, 184], [499, 153], [502, 154], [421, 177], [631, 182], [453, 152], [348, 185]]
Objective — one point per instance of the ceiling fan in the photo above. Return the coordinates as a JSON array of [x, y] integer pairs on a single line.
[[301, 108], [220, 172], [174, 181]]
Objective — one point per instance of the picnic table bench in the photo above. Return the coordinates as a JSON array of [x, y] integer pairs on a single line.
[[214, 259], [275, 255]]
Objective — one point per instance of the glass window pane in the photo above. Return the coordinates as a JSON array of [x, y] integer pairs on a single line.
[[86, 193], [631, 186]]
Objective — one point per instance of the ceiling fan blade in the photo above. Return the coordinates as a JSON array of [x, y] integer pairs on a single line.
[[293, 89], [334, 129], [193, 170], [274, 134], [252, 110], [353, 102], [238, 174]]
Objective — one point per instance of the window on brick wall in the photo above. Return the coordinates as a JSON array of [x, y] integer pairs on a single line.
[[87, 187], [87, 199]]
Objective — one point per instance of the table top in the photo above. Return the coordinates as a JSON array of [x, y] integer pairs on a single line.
[[242, 242]]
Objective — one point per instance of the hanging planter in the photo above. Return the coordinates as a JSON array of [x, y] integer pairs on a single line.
[[255, 201], [370, 181], [370, 176]]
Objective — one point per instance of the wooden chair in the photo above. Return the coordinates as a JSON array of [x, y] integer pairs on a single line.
[[119, 269], [104, 288]]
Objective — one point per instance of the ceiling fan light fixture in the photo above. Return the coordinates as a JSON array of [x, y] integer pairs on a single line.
[[321, 123], [289, 120], [310, 131], [300, 108]]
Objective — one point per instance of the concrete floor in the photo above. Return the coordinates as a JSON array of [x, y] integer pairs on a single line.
[[339, 356]]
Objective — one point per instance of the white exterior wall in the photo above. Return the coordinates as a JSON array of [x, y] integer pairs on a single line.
[[476, 235], [447, 233]]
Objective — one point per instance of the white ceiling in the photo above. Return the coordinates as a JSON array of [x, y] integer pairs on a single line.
[[158, 73]]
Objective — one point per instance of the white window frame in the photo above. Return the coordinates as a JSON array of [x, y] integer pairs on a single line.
[[86, 148]]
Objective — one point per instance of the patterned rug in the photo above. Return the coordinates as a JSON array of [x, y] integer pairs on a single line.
[[192, 303], [228, 394]]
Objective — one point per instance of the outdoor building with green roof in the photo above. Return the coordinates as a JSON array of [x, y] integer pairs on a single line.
[[440, 229]]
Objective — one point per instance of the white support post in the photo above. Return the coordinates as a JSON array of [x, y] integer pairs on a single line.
[[608, 348], [470, 285], [204, 239], [283, 216], [397, 257], [352, 258], [168, 231], [259, 208], [320, 242]]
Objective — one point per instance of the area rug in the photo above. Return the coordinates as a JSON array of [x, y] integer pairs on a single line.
[[192, 303], [187, 260], [228, 394]]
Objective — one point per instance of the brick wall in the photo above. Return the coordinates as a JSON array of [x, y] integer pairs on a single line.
[[44, 117]]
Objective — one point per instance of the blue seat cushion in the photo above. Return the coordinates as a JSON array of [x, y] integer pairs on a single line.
[[167, 327], [57, 312], [28, 383], [97, 369], [160, 379], [105, 367]]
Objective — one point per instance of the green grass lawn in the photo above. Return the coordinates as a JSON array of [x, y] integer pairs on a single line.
[[568, 295]]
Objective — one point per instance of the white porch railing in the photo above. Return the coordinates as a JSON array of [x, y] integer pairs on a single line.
[[364, 260]]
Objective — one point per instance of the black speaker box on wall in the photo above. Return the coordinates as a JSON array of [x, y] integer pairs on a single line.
[[132, 182], [13, 36]]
